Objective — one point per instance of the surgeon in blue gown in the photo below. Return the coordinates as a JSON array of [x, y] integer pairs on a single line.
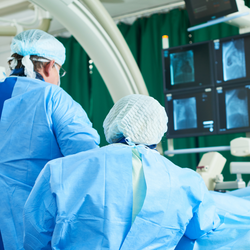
[[122, 196], [38, 122]]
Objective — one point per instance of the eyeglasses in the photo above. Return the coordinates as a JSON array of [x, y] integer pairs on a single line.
[[62, 72]]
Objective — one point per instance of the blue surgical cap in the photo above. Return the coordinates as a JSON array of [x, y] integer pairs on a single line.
[[39, 43]]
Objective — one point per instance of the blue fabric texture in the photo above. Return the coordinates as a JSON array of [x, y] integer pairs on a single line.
[[85, 201], [40, 122], [6, 90], [234, 230], [123, 140], [20, 72], [242, 192], [1, 242]]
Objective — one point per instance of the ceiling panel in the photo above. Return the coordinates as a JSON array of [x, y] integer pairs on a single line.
[[130, 6], [9, 6]]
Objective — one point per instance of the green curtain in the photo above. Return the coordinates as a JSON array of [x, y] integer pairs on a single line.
[[247, 3], [77, 79], [101, 103], [144, 37]]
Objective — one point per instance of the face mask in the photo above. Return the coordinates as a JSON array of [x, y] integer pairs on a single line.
[[59, 80]]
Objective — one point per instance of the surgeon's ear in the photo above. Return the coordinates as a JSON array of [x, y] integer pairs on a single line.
[[47, 69]]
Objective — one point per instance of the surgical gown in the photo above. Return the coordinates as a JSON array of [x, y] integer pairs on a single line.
[[38, 122], [85, 201], [234, 230]]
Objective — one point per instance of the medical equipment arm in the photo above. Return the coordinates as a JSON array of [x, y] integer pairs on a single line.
[[211, 165], [238, 147], [72, 126], [39, 214]]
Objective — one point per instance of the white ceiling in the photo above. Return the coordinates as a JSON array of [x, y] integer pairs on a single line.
[[130, 6], [115, 8], [18, 10]]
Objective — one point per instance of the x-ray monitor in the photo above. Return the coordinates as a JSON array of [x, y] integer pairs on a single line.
[[200, 11], [190, 113], [232, 60], [233, 108], [188, 66]]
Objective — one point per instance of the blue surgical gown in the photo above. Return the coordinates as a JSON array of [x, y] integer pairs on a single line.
[[242, 192], [84, 201], [234, 230], [39, 122]]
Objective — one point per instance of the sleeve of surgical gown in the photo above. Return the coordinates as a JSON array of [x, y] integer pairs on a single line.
[[205, 217], [72, 127], [39, 214]]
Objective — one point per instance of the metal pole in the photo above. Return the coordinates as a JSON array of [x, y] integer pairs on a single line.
[[197, 150]]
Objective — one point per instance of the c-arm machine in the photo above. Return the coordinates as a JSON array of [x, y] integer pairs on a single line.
[[92, 26]]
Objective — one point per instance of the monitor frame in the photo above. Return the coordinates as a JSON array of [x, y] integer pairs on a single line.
[[195, 85], [233, 130], [206, 18], [247, 59], [190, 132]]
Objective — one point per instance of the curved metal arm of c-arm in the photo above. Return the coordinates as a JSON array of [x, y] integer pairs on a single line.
[[113, 66]]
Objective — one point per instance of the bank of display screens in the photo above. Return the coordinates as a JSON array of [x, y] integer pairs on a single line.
[[200, 11], [188, 66], [207, 87], [232, 60], [191, 113], [234, 104]]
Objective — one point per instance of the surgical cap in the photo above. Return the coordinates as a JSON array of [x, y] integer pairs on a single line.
[[39, 43], [139, 117]]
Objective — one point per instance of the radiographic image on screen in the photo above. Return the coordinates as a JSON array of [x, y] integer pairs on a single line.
[[234, 63], [182, 67], [185, 115], [236, 108]]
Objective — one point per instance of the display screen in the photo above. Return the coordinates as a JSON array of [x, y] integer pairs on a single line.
[[207, 87], [188, 66], [233, 108], [232, 59], [200, 11], [190, 113]]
